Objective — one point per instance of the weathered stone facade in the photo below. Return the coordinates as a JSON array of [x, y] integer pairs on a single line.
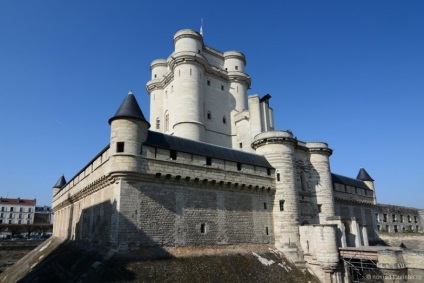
[[213, 171]]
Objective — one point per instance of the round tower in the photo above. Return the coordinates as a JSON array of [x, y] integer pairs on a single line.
[[278, 147], [129, 130], [186, 91], [321, 176], [59, 185], [234, 64], [155, 89], [366, 178]]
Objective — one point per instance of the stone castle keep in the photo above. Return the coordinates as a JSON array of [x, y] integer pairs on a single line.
[[210, 169]]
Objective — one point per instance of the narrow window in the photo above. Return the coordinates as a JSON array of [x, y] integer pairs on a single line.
[[157, 123], [224, 120], [11, 209], [241, 145], [19, 221], [222, 87], [268, 171], [264, 205], [238, 166], [378, 228], [319, 208], [384, 217], [415, 219], [394, 217], [278, 177], [208, 161], [120, 146], [166, 122], [173, 154], [266, 230], [396, 228], [236, 67], [281, 205], [203, 228], [377, 217], [156, 76], [209, 115], [401, 218], [209, 82]]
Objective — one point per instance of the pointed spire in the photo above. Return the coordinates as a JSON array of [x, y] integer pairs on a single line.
[[60, 183], [129, 109], [364, 176]]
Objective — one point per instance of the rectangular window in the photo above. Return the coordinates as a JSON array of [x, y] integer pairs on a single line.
[[281, 205], [120, 146], [394, 217], [209, 82], [10, 221], [30, 209], [236, 67], [278, 177], [266, 230], [319, 208], [21, 209], [222, 87], [384, 217], [19, 221], [401, 218], [2, 208], [1, 215], [241, 145], [415, 219], [396, 228], [10, 215], [264, 205], [238, 166], [20, 215], [378, 228], [173, 155], [11, 209], [203, 228], [208, 161]]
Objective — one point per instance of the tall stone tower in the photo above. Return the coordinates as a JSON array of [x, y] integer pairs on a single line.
[[197, 92]]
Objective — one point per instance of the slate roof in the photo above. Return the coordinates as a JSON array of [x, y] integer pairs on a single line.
[[364, 176], [165, 141], [129, 109], [348, 181], [60, 183]]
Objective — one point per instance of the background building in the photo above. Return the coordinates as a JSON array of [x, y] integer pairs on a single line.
[[17, 211]]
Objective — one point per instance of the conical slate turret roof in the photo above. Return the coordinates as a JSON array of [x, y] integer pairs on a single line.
[[129, 109], [60, 183], [364, 176]]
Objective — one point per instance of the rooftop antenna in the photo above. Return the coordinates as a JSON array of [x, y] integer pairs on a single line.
[[201, 27]]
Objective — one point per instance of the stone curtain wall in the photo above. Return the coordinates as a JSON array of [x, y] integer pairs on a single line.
[[410, 240], [162, 215]]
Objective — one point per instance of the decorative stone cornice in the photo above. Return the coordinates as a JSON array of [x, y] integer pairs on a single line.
[[91, 188], [273, 140], [187, 57]]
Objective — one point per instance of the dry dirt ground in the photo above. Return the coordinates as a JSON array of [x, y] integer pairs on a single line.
[[12, 251], [56, 260]]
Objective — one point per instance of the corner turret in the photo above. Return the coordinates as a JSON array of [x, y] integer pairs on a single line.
[[366, 178], [59, 185], [129, 131]]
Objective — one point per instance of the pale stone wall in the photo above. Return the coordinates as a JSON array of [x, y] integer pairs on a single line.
[[394, 218], [168, 216]]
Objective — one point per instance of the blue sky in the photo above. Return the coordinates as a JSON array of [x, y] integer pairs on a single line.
[[349, 73]]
